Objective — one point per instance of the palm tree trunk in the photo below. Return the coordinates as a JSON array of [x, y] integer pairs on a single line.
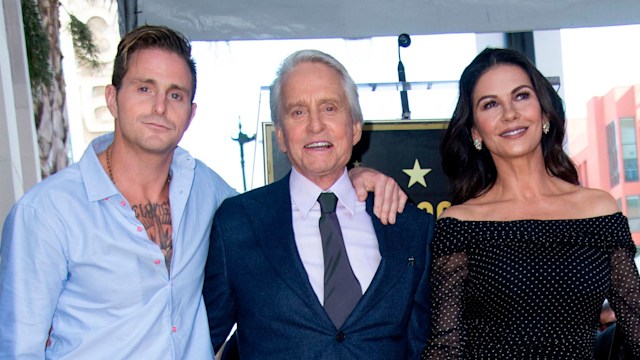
[[52, 121]]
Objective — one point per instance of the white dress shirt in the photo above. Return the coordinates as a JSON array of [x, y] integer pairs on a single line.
[[357, 230]]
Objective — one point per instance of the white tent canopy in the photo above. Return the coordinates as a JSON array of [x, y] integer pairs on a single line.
[[209, 20]]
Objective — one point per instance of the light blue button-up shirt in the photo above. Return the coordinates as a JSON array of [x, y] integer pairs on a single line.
[[74, 258]]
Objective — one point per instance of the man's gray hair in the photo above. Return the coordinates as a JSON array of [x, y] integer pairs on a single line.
[[313, 56]]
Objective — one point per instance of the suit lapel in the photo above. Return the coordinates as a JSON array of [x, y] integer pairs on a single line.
[[392, 265], [275, 235]]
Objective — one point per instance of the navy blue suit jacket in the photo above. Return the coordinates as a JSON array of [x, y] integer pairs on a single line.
[[254, 277]]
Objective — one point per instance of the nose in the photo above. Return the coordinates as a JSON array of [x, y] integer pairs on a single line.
[[316, 123], [160, 105], [510, 112]]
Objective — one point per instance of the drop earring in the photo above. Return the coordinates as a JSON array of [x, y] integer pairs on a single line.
[[477, 143], [545, 128]]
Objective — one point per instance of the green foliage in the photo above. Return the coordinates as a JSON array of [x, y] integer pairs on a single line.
[[37, 45], [85, 49]]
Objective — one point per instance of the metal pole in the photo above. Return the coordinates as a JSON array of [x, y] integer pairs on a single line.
[[243, 139]]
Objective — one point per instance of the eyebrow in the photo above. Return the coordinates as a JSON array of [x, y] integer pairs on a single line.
[[515, 90], [320, 101], [155, 83], [293, 104]]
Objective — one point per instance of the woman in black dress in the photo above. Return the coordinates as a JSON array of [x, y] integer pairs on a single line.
[[524, 258]]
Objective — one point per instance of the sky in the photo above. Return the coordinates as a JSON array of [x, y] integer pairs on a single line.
[[595, 60], [232, 74]]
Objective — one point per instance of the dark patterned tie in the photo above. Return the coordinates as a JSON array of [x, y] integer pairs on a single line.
[[342, 290]]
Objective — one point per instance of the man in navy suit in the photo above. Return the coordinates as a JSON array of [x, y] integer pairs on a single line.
[[266, 272]]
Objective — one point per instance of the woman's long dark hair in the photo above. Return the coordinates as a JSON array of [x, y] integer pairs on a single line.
[[471, 172]]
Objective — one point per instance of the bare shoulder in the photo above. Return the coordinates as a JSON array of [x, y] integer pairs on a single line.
[[474, 209], [595, 202], [460, 212]]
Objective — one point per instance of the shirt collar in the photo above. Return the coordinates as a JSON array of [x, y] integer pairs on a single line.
[[304, 193], [98, 185], [96, 181]]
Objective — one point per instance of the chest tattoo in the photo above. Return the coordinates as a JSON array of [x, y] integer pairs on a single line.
[[156, 218]]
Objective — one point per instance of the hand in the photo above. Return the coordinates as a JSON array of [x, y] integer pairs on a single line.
[[389, 198]]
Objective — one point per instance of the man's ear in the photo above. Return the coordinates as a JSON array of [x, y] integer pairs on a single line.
[[357, 132], [194, 106], [111, 97], [280, 138]]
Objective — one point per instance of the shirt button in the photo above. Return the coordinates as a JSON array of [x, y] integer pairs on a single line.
[[340, 337], [139, 228], [156, 261], [123, 203], [174, 328]]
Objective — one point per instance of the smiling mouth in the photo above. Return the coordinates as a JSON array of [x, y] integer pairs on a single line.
[[156, 125], [319, 145], [513, 132], [156, 121]]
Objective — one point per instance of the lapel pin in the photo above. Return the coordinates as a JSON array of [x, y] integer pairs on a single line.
[[411, 261]]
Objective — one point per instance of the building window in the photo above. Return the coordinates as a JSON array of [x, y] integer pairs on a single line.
[[633, 212], [629, 149], [612, 149]]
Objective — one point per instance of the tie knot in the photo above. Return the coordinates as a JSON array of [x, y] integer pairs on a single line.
[[327, 202]]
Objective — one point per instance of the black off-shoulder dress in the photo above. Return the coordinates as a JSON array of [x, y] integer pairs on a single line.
[[530, 289]]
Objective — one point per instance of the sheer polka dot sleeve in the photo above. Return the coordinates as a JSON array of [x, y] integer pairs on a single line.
[[624, 293], [448, 274]]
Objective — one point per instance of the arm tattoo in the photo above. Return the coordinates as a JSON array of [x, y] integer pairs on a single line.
[[156, 218]]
